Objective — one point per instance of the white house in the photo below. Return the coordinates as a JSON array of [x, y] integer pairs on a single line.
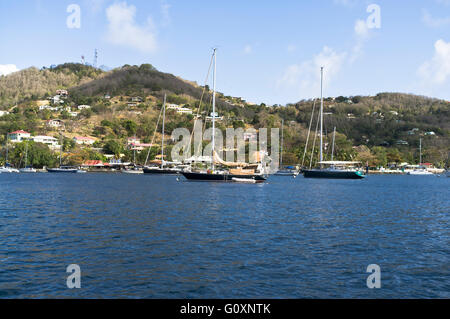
[[74, 114], [48, 107], [4, 113], [81, 140], [54, 123], [251, 136], [83, 107], [430, 133], [50, 141], [135, 144], [19, 136], [62, 93], [172, 106], [57, 99], [184, 110]]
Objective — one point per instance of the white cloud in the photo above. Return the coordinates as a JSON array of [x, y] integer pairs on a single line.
[[361, 29], [6, 69], [165, 7], [347, 3], [437, 70], [123, 29], [304, 78], [434, 22], [444, 2], [362, 34], [248, 49]]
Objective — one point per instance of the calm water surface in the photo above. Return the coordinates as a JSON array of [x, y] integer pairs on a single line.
[[137, 236]]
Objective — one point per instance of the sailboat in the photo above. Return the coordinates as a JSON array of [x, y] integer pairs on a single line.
[[27, 169], [241, 170], [7, 168], [287, 171], [421, 170], [134, 169], [161, 169], [331, 169], [61, 168]]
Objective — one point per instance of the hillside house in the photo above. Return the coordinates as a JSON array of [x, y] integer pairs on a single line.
[[62, 93], [57, 100], [50, 141], [134, 144], [55, 123], [19, 136], [81, 140], [184, 110]]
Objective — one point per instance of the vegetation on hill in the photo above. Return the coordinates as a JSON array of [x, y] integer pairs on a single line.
[[33, 84], [126, 102]]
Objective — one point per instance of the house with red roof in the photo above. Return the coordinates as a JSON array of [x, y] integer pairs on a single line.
[[19, 136], [81, 140], [94, 163]]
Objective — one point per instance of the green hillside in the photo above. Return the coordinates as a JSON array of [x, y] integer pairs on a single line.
[[126, 102]]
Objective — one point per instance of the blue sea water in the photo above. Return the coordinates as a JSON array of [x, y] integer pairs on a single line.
[[140, 236]]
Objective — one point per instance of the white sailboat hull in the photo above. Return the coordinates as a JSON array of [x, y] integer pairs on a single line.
[[8, 170], [421, 172]]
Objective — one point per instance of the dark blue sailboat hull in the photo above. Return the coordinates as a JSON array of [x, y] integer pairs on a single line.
[[338, 174], [219, 177]]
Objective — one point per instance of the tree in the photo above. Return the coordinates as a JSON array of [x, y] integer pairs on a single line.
[[394, 156], [39, 155], [130, 126], [380, 154], [113, 147]]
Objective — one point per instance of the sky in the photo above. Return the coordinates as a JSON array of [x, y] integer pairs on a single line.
[[268, 51]]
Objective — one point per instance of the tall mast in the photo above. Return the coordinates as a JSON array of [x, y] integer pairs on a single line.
[[321, 115], [134, 150], [7, 149], [60, 149], [282, 140], [332, 149], [26, 154], [214, 107], [162, 143], [420, 147]]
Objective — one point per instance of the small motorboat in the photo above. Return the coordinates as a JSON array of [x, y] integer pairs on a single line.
[[8, 169], [246, 180], [420, 172], [132, 171], [27, 170]]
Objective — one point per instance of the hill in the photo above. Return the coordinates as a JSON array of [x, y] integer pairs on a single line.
[[126, 101]]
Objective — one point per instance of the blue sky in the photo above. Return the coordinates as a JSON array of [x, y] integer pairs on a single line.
[[269, 51]]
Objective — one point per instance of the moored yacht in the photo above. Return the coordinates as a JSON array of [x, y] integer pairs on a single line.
[[331, 169], [27, 169], [161, 169], [8, 169], [420, 170], [226, 173], [61, 168]]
